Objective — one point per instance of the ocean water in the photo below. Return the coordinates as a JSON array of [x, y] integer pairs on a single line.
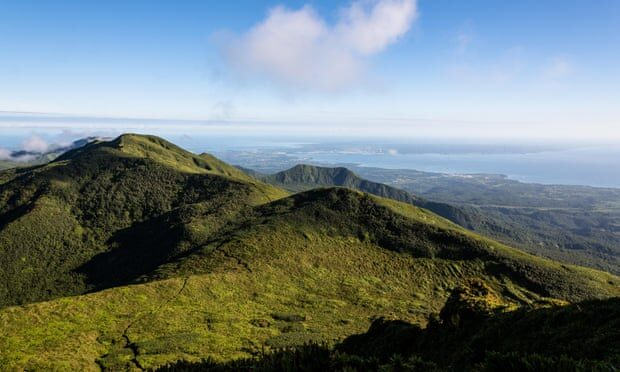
[[592, 165]]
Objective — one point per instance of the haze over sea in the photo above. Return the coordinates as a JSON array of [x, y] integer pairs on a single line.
[[577, 164], [587, 165]]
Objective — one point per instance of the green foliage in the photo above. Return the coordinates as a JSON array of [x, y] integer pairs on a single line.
[[129, 204], [467, 335], [513, 362], [564, 338], [304, 177], [187, 261], [310, 357], [574, 224]]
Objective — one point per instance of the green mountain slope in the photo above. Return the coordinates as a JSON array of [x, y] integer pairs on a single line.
[[471, 333], [64, 224], [305, 177], [575, 224], [292, 272], [190, 259], [574, 236]]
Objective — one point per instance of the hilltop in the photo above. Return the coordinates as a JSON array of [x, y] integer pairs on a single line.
[[306, 177], [573, 224], [134, 253], [104, 206]]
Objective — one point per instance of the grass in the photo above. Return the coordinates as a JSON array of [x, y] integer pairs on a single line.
[[192, 262], [265, 290], [63, 222], [213, 316], [572, 224]]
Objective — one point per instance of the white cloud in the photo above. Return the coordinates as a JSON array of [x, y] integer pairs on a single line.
[[35, 144], [298, 48], [559, 67], [369, 31], [5, 154]]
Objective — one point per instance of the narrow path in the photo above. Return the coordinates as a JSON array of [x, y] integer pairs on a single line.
[[132, 346]]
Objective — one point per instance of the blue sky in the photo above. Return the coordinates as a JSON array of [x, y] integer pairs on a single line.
[[528, 68]]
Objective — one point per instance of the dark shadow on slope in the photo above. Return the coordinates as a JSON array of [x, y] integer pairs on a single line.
[[134, 251], [143, 247], [347, 212], [583, 335]]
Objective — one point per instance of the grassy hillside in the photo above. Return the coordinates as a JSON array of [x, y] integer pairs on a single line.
[[305, 177], [187, 258], [576, 224], [574, 231], [317, 266], [64, 224], [470, 334]]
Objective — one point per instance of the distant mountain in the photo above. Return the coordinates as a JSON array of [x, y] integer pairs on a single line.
[[133, 253], [306, 177], [574, 224], [584, 236]]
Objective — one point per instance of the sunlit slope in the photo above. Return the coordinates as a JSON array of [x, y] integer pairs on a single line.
[[391, 226], [305, 177], [319, 265], [109, 212]]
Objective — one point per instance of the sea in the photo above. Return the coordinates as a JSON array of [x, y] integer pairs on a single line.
[[567, 164]]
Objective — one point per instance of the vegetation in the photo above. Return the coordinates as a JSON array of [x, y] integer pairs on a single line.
[[109, 204], [472, 332], [190, 259], [574, 224], [305, 177]]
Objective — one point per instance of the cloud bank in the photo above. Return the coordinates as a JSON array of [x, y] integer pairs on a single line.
[[30, 148], [35, 144], [5, 154], [300, 49]]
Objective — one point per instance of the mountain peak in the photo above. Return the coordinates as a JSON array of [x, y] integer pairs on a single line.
[[160, 151], [160, 251]]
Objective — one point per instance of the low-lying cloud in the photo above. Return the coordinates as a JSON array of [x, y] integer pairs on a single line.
[[5, 154], [300, 49], [35, 144], [30, 148]]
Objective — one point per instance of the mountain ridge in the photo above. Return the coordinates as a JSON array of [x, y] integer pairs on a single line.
[[59, 216], [133, 253], [305, 177]]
